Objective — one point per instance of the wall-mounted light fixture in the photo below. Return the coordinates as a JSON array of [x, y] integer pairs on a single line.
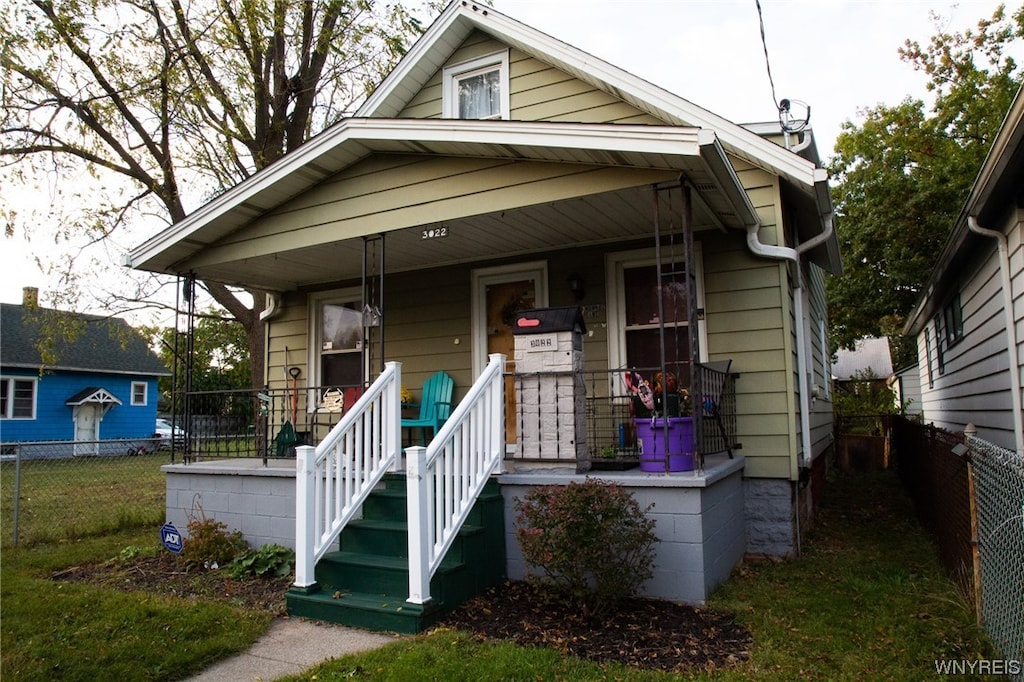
[[576, 286]]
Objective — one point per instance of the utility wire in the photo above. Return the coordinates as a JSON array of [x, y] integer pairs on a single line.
[[767, 63], [783, 106]]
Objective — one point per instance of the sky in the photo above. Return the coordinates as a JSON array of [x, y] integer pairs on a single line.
[[838, 57]]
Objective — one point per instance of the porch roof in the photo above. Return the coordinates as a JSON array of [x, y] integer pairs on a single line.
[[601, 213]]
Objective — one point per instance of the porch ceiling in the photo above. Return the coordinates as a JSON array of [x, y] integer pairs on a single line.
[[658, 154], [595, 219]]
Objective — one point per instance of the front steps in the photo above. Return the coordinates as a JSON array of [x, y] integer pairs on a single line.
[[365, 583]]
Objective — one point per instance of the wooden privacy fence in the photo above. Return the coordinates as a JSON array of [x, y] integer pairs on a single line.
[[863, 442]]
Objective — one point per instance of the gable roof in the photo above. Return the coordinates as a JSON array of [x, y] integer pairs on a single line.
[[460, 18], [999, 186], [693, 141], [107, 345]]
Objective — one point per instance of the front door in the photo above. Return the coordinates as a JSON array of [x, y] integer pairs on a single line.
[[87, 429], [501, 293]]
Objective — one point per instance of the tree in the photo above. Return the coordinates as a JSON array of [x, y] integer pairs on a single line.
[[904, 174], [165, 103], [220, 361]]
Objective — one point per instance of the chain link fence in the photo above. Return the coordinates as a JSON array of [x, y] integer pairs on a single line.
[[63, 490], [999, 504], [969, 495]]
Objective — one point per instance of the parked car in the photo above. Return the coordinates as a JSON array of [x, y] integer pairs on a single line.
[[163, 432]]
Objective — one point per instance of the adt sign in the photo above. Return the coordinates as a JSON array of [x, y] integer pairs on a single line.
[[171, 538]]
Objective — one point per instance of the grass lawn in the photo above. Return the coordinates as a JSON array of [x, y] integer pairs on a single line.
[[80, 496], [867, 600], [75, 631]]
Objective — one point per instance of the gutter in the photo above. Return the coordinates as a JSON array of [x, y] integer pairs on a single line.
[[1011, 329]]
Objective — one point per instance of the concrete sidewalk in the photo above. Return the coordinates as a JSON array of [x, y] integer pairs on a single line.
[[290, 646]]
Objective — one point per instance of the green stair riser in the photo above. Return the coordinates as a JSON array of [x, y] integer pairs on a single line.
[[371, 574], [362, 611]]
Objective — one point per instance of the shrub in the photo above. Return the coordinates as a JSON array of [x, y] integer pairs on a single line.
[[591, 541], [268, 560], [209, 544]]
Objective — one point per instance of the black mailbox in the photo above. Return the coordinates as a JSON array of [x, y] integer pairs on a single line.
[[542, 320], [550, 320]]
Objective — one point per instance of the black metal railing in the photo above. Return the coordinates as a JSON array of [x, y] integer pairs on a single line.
[[270, 422], [248, 423], [610, 411]]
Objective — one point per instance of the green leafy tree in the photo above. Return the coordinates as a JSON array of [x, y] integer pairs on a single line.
[[220, 360], [162, 104], [902, 176]]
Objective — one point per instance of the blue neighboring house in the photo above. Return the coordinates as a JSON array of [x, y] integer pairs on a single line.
[[101, 385]]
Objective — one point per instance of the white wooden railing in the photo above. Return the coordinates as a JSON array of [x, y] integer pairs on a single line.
[[446, 477], [333, 479]]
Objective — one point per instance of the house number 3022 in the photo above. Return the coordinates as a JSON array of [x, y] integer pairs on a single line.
[[434, 232]]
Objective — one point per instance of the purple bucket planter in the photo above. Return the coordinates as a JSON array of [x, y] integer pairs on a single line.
[[650, 434]]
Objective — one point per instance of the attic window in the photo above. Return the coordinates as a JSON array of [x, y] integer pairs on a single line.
[[477, 89]]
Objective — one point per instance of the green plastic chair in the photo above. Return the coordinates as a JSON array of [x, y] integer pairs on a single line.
[[435, 406]]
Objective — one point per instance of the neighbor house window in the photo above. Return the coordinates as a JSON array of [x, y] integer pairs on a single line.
[[953, 321], [928, 356], [338, 338], [477, 89], [17, 398], [140, 390], [940, 344]]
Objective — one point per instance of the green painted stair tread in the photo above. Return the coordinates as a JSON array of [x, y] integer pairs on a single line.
[[369, 561], [376, 612]]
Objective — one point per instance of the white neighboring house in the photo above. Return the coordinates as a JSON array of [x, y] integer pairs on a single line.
[[969, 322]]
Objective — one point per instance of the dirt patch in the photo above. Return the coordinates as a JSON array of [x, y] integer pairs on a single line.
[[166, 574], [641, 633]]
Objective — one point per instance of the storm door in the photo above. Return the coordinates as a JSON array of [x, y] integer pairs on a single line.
[[498, 295]]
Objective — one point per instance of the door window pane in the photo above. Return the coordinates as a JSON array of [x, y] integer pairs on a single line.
[[341, 344]]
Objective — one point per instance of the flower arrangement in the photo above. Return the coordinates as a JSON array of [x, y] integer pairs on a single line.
[[406, 396], [657, 396]]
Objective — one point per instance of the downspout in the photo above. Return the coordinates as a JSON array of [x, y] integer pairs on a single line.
[[1011, 330], [793, 255]]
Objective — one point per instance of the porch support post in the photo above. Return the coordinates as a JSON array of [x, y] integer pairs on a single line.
[[692, 315], [418, 524], [305, 523], [663, 369]]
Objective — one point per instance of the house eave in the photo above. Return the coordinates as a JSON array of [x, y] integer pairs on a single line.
[[998, 186], [666, 148]]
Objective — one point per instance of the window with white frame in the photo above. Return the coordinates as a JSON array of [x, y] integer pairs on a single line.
[[140, 393], [17, 398], [337, 334], [634, 312], [477, 89]]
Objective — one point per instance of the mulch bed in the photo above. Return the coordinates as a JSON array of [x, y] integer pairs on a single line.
[[641, 633], [167, 575]]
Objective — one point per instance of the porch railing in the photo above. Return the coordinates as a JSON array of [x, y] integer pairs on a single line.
[[446, 477], [334, 478], [610, 411]]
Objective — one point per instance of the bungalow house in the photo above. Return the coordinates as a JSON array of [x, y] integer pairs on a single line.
[[97, 391], [498, 174], [969, 317]]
